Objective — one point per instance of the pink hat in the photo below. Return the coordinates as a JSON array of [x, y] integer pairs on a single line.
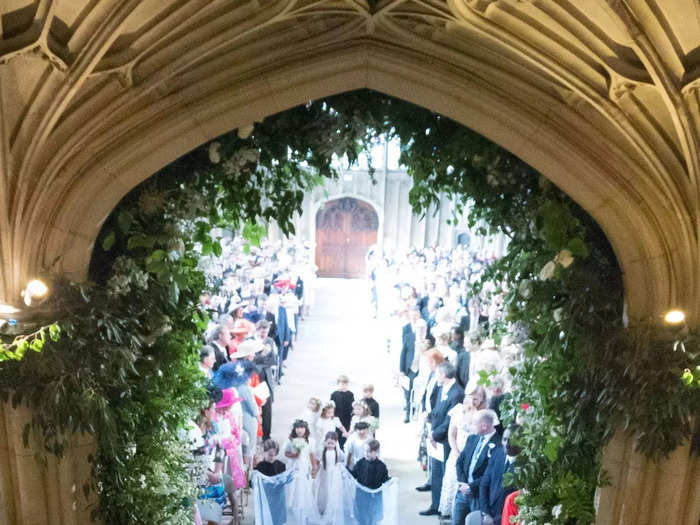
[[227, 399]]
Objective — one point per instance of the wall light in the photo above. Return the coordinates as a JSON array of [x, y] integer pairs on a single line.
[[674, 317], [35, 289]]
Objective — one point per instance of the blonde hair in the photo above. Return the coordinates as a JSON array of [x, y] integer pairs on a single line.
[[325, 407], [317, 403], [342, 378]]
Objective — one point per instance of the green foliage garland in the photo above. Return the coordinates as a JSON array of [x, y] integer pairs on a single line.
[[124, 368]]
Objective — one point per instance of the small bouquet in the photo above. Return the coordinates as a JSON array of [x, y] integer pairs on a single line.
[[299, 444]]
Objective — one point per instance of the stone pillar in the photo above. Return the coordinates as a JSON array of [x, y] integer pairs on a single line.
[[648, 493], [391, 218], [36, 494], [405, 217]]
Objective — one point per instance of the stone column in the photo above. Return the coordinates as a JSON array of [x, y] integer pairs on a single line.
[[648, 493], [35, 494]]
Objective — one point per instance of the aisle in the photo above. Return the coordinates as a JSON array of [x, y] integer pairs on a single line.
[[340, 337]]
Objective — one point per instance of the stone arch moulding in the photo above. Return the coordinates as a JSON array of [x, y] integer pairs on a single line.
[[317, 205], [553, 138]]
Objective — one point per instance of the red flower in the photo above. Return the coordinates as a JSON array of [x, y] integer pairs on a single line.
[[524, 406]]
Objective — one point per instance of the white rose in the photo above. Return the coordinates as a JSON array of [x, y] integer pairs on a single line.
[[547, 272], [564, 258], [214, 154], [525, 288], [556, 510], [558, 314]]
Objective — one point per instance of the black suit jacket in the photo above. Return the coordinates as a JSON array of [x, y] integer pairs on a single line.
[[463, 362], [492, 493], [439, 418], [433, 394], [408, 348], [270, 317], [465, 459], [220, 354]]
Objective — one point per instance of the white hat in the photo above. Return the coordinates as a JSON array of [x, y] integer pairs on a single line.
[[247, 347]]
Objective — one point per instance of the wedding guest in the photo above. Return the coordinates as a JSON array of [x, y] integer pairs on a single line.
[[472, 463], [450, 394], [220, 340], [207, 360], [492, 491]]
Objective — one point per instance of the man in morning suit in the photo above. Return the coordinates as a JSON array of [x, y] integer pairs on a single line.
[[472, 463], [408, 357], [492, 491], [220, 340], [449, 395]]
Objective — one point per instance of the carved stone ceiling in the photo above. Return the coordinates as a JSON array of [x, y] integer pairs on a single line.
[[77, 76]]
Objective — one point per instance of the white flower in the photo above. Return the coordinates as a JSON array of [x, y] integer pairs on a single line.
[[525, 288], [558, 314], [214, 153], [556, 510], [547, 271], [564, 258]]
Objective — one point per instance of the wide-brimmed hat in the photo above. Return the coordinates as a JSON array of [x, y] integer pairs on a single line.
[[233, 374], [227, 399], [241, 326], [248, 347], [281, 283]]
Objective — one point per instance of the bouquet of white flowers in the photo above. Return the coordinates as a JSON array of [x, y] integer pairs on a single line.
[[299, 444]]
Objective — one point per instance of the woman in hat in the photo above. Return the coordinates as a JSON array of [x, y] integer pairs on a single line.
[[461, 425], [228, 436], [237, 374], [242, 328]]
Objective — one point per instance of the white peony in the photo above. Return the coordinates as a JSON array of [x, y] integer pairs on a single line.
[[214, 153], [558, 314], [564, 258], [547, 271], [525, 288]]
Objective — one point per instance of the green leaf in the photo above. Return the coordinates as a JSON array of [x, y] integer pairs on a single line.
[[125, 220], [216, 248], [577, 247], [108, 241], [157, 255], [54, 332]]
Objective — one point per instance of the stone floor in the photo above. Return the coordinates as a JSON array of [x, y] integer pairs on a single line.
[[340, 337]]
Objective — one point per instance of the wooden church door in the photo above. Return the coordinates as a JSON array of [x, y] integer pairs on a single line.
[[345, 230]]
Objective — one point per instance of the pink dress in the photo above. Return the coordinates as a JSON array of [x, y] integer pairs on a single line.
[[229, 434]]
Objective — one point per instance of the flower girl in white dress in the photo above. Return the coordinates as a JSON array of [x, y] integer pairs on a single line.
[[328, 485], [299, 453]]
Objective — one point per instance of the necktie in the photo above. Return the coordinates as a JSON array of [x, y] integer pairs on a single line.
[[475, 457]]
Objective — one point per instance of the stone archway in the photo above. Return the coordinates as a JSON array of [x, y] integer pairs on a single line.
[[346, 228], [603, 102]]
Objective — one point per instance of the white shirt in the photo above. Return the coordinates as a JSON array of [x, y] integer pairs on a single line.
[[446, 389]]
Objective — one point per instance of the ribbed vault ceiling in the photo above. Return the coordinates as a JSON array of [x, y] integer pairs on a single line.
[[601, 96]]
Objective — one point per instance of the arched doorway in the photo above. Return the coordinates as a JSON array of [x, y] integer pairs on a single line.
[[345, 230]]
